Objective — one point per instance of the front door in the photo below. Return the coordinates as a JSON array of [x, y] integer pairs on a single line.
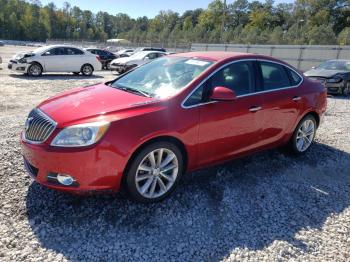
[[229, 128]]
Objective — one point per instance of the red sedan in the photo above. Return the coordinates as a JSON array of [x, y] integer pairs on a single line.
[[173, 115]]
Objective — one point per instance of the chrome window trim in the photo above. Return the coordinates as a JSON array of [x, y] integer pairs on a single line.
[[48, 136], [251, 94]]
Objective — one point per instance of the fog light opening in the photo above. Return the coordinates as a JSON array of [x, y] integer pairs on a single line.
[[65, 180]]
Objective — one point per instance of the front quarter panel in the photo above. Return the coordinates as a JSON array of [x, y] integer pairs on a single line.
[[128, 134]]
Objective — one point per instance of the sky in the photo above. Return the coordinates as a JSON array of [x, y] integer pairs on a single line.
[[137, 8]]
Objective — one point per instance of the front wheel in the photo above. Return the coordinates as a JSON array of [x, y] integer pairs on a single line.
[[87, 70], [154, 172], [304, 135], [35, 70]]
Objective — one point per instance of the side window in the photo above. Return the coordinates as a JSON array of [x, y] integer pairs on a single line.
[[92, 51], [196, 97], [238, 76], [274, 76], [73, 51], [54, 51], [294, 78]]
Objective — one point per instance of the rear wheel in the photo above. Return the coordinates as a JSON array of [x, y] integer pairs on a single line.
[[35, 69], [87, 70], [154, 172], [303, 135]]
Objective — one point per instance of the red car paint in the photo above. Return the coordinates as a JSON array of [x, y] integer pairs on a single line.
[[210, 133]]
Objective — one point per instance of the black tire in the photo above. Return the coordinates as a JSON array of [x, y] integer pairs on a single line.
[[87, 70], [131, 172], [346, 89], [76, 73], [35, 69], [293, 141]]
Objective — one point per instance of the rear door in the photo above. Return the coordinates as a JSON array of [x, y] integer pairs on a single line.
[[229, 128], [281, 100], [74, 58]]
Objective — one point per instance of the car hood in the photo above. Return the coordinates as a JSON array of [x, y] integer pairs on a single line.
[[323, 72], [121, 60], [87, 102]]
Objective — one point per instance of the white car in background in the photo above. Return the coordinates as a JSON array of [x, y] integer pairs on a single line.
[[124, 64], [55, 58]]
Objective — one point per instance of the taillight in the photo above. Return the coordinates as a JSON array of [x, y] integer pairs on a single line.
[[98, 58]]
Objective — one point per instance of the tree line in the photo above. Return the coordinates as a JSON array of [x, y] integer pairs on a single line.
[[302, 22]]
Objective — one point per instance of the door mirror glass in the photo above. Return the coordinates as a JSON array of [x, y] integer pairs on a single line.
[[221, 93]]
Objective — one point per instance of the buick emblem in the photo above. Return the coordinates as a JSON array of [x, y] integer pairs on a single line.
[[27, 124]]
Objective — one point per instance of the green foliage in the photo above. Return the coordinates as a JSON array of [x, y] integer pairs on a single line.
[[241, 21]]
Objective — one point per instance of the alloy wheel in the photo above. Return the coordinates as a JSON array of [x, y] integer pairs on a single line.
[[157, 173], [35, 70], [87, 70], [305, 135]]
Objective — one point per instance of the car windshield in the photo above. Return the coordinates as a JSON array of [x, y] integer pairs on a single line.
[[163, 77], [335, 65]]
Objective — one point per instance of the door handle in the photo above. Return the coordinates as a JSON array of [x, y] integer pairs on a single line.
[[255, 108], [296, 98]]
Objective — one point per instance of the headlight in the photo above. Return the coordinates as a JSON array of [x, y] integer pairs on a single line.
[[23, 61], [334, 80], [80, 135]]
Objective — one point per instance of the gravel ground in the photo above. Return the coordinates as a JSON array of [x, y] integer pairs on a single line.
[[267, 207]]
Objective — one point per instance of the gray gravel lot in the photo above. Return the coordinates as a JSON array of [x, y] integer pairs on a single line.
[[267, 207]]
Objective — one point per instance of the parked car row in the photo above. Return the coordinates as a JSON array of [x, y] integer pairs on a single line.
[[334, 74]]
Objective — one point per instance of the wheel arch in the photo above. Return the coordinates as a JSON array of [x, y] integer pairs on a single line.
[[315, 115], [81, 68]]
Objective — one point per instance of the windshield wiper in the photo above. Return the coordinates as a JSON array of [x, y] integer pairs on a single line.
[[133, 90]]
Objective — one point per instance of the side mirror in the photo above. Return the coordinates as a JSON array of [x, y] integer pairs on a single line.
[[146, 58], [221, 93], [46, 53], [314, 67]]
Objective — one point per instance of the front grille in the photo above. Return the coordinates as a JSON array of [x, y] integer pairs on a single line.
[[38, 126]]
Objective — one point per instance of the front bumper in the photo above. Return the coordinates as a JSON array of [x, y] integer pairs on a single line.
[[94, 169], [17, 67], [118, 68], [335, 88]]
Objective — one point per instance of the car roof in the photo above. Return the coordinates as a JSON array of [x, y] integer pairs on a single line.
[[148, 52], [215, 55], [338, 60]]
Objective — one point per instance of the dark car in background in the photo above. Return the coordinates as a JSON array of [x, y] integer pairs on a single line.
[[335, 74], [105, 56]]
